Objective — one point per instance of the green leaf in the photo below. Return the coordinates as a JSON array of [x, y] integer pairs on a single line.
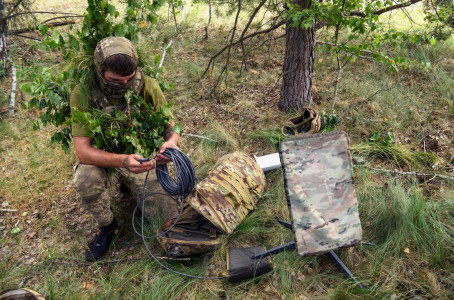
[[112, 10], [43, 29], [42, 104], [157, 59], [15, 230], [73, 42], [177, 128], [389, 139], [432, 41], [375, 137], [25, 87], [152, 18]]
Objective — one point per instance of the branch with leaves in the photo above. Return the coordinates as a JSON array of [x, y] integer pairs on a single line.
[[35, 28], [385, 10], [50, 92], [215, 56]]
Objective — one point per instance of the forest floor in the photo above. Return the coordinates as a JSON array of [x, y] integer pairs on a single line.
[[44, 231]]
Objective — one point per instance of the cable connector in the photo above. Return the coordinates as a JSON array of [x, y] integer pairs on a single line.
[[142, 160]]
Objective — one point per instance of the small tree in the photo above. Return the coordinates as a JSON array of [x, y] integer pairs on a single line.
[[366, 36], [11, 13]]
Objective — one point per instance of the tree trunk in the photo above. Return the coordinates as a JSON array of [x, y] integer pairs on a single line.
[[298, 65], [2, 34], [13, 92]]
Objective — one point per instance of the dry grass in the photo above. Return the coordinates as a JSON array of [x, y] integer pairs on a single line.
[[35, 178]]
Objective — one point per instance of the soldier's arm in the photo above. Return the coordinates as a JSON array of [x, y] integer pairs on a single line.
[[89, 155]]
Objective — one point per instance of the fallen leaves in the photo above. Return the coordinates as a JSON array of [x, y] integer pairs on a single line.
[[87, 285], [31, 235]]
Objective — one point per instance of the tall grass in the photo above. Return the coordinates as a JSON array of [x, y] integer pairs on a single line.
[[166, 286], [214, 143], [271, 136], [404, 221], [399, 155]]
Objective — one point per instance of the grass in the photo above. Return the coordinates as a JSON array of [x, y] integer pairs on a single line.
[[399, 155], [404, 221], [271, 136], [410, 220]]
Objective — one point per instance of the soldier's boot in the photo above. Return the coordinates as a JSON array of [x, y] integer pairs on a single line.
[[98, 248]]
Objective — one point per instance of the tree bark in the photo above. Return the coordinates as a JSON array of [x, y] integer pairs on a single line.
[[31, 29], [298, 65], [13, 91], [209, 20], [2, 34]]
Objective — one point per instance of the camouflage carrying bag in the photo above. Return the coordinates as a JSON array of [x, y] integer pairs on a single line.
[[318, 182], [217, 206]]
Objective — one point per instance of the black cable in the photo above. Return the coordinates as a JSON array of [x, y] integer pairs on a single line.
[[185, 180], [177, 188]]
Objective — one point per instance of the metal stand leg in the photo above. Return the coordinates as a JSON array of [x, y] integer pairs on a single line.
[[338, 262], [276, 250], [292, 245]]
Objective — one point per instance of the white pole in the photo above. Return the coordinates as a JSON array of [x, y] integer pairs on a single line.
[[13, 91]]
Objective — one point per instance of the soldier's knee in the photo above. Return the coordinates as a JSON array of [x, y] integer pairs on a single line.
[[89, 180]]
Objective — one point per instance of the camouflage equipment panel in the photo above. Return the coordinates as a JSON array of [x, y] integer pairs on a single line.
[[230, 191], [318, 181]]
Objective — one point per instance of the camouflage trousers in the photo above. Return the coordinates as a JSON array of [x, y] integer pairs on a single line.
[[96, 189]]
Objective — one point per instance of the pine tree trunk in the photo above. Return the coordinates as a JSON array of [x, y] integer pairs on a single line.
[[298, 65]]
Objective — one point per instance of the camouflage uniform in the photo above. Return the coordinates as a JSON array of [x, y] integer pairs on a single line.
[[319, 187], [94, 187]]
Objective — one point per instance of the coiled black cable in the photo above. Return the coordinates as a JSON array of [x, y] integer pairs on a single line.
[[185, 179], [178, 189]]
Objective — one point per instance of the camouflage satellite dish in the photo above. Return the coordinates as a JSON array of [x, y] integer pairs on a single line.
[[320, 192]]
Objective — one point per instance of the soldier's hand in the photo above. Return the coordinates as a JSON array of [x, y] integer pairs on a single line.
[[160, 157], [131, 163]]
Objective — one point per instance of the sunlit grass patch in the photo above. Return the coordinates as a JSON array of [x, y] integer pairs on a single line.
[[399, 19], [34, 167], [271, 136], [214, 143], [400, 155]]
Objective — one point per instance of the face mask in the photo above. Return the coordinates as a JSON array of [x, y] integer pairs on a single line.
[[111, 46], [113, 89]]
